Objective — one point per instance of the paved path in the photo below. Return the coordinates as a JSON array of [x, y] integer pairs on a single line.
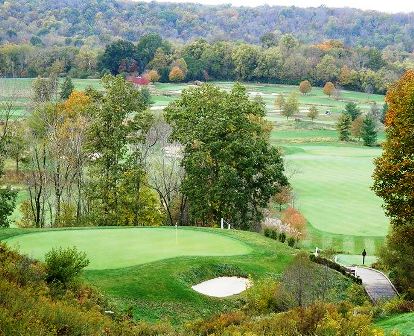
[[377, 285]]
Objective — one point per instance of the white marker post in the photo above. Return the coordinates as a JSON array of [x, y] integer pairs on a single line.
[[222, 223]]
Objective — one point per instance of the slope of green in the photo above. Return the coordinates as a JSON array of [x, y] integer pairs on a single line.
[[404, 323], [162, 288]]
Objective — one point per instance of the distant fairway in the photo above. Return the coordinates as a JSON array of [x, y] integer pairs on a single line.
[[118, 248]]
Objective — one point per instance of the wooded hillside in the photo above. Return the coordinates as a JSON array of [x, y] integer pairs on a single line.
[[97, 22]]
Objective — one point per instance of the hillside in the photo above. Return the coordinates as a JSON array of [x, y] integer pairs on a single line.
[[75, 22]]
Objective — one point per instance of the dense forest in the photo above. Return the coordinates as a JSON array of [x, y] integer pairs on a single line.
[[98, 22]]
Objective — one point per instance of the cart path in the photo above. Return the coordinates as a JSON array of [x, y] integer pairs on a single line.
[[376, 284]]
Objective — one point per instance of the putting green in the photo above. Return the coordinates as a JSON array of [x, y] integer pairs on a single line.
[[123, 247]]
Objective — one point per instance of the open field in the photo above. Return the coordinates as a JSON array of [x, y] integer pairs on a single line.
[[161, 287], [404, 323]]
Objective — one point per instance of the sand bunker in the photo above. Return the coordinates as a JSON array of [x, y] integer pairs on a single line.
[[222, 286]]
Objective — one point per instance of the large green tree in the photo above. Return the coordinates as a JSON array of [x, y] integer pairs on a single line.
[[231, 171]]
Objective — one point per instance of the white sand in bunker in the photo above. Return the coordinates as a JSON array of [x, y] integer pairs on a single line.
[[222, 286]]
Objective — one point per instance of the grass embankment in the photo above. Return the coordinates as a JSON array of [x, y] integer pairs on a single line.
[[404, 323], [162, 289]]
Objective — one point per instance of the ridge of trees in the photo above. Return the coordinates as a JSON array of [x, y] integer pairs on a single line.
[[95, 23]]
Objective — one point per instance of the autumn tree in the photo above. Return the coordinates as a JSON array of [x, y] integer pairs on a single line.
[[153, 76], [394, 181], [279, 102], [329, 89], [231, 170], [305, 87], [283, 196], [313, 112], [343, 126], [291, 106], [356, 127], [176, 74], [296, 221]]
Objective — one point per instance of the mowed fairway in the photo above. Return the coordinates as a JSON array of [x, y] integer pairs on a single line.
[[119, 248], [332, 187]]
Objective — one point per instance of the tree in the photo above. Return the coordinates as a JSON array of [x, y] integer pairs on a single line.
[[313, 112], [397, 257], [176, 74], [147, 47], [153, 76], [393, 180], [44, 89], [117, 56], [329, 88], [280, 102], [7, 204], [283, 197], [66, 88], [291, 106], [343, 126], [231, 170], [116, 173], [352, 110], [356, 127], [369, 131], [305, 87]]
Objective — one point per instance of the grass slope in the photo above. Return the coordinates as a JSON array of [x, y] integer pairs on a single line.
[[162, 289], [404, 323]]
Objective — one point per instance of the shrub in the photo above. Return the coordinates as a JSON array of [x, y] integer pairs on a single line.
[[291, 241], [266, 296], [273, 234], [267, 232], [282, 237], [64, 265]]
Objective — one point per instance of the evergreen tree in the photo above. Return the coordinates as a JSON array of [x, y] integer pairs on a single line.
[[352, 110], [344, 127], [66, 88], [369, 131]]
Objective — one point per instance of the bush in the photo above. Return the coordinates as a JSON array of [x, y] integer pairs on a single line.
[[64, 265], [267, 232], [267, 296], [333, 265], [282, 237], [291, 241]]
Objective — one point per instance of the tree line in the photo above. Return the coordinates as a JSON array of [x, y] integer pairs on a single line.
[[102, 158], [96, 23], [280, 59]]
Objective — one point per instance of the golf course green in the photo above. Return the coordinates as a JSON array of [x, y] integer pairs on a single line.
[[118, 248]]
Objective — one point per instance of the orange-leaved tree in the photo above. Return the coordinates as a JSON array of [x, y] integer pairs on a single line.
[[394, 182]]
